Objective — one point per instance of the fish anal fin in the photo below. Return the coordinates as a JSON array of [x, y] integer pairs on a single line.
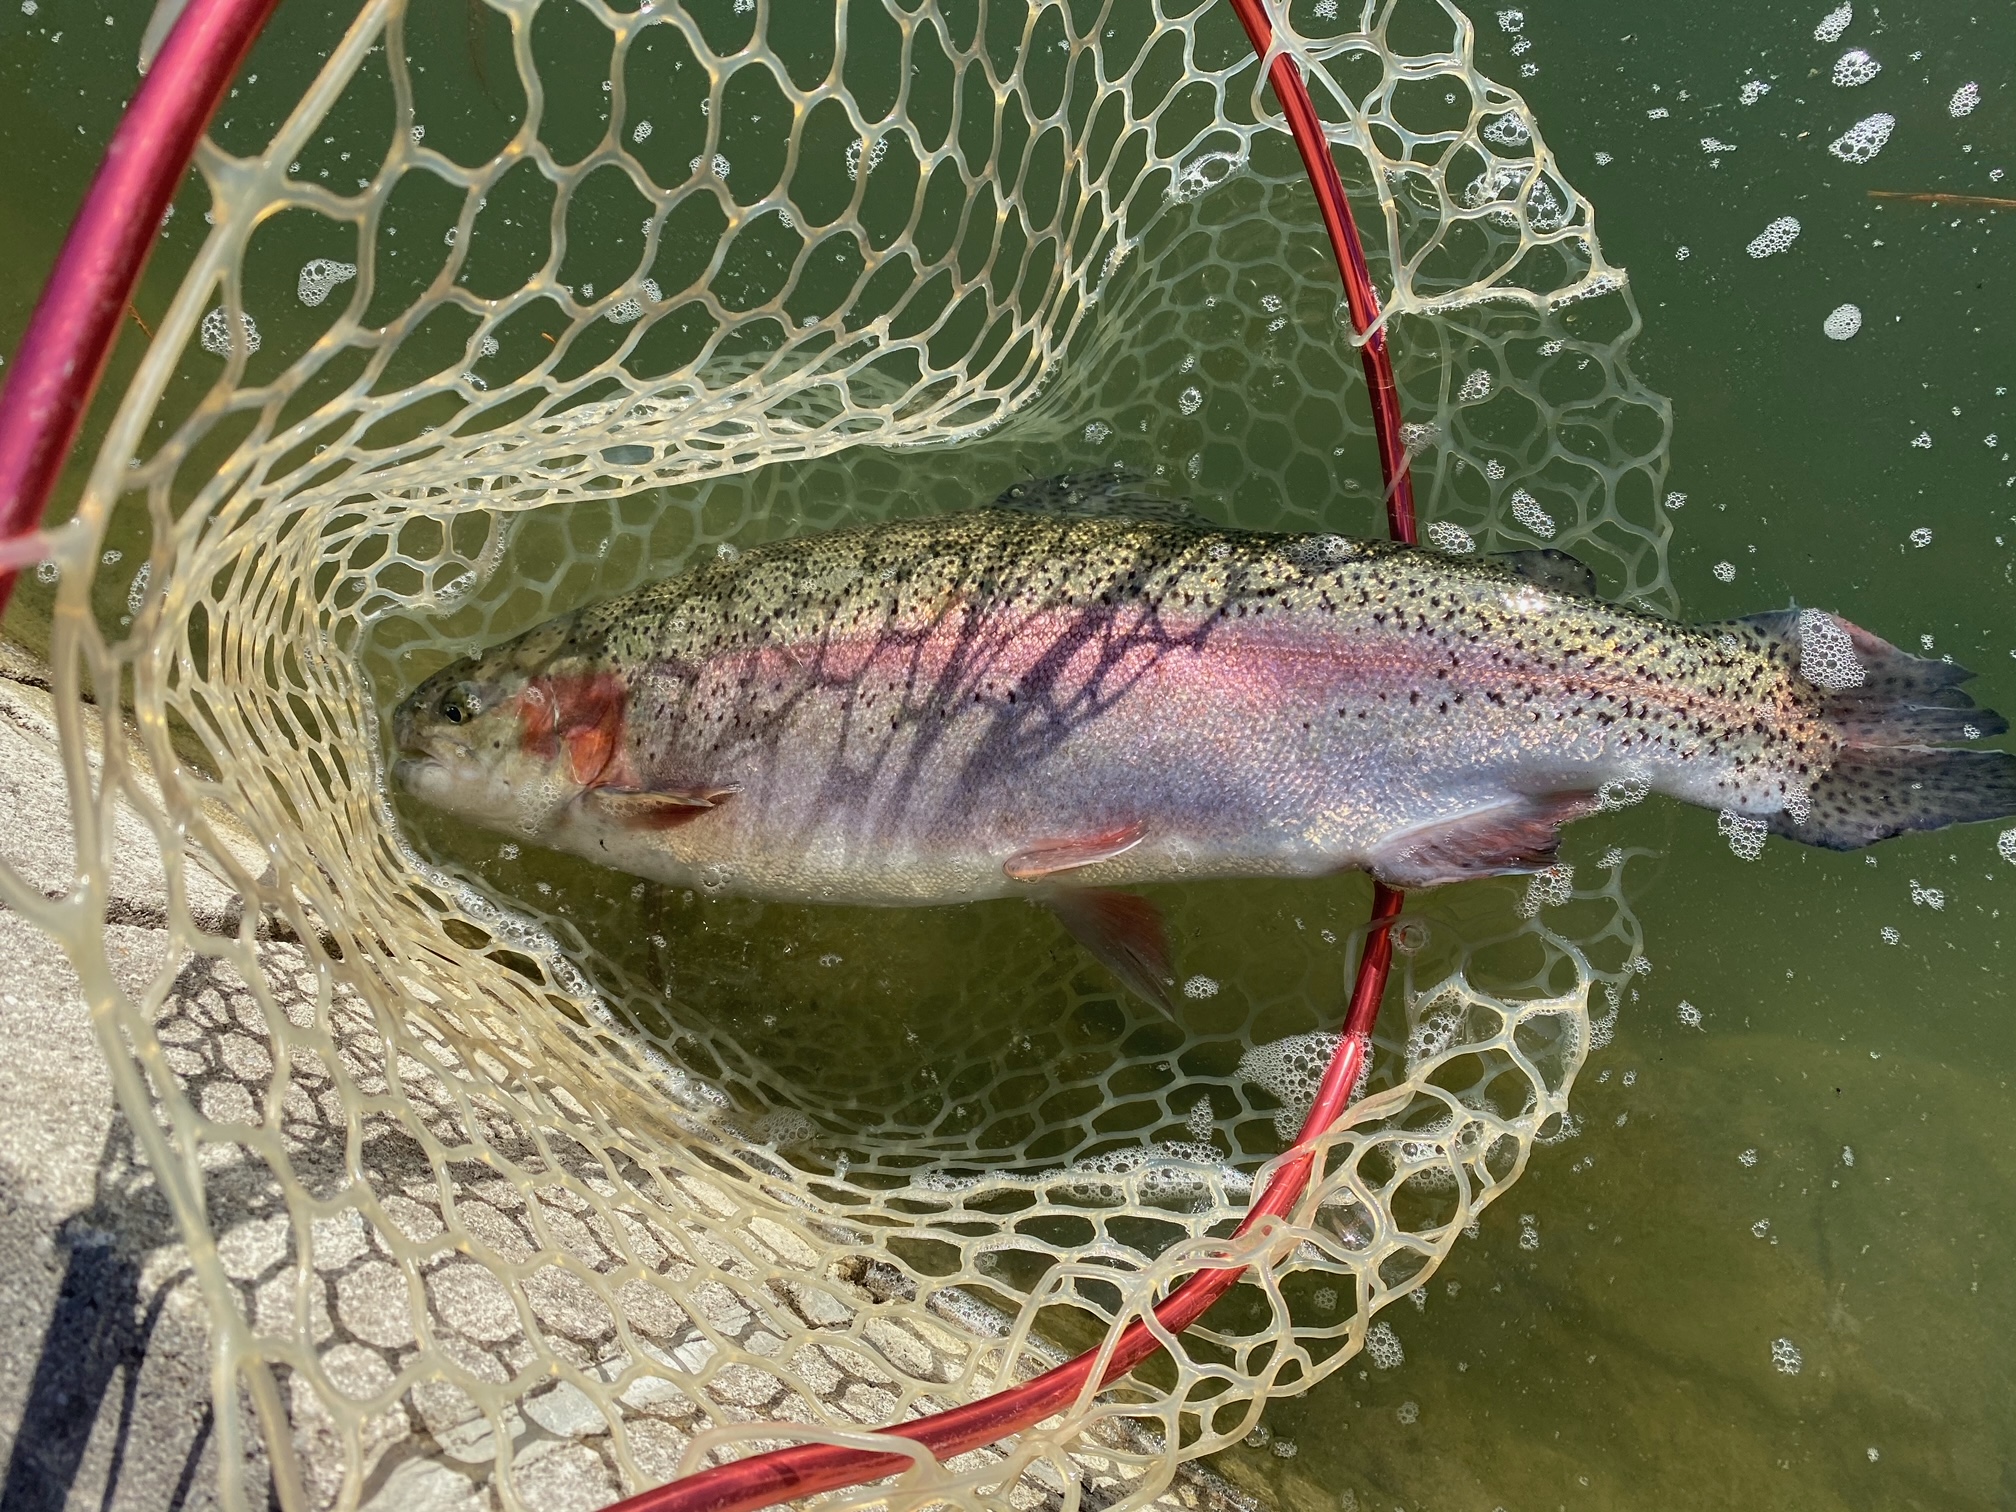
[[1047, 857], [1549, 567], [659, 808], [1519, 835], [1124, 930]]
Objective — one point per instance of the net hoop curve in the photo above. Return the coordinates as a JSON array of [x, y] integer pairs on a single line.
[[807, 1469], [69, 338]]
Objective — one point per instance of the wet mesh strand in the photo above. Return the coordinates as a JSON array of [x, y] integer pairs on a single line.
[[501, 1167]]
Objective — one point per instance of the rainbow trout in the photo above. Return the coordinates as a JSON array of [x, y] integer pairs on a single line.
[[1080, 690]]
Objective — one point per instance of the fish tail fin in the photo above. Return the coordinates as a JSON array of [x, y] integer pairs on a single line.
[[1892, 711]]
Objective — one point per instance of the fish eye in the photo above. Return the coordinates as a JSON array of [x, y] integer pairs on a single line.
[[459, 704]]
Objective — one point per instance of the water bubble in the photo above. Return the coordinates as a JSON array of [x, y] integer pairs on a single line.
[[1382, 1346], [1326, 1298], [641, 131], [1408, 1412], [1761, 1227], [1529, 1232], [1657, 113], [1844, 321], [1752, 91], [1202, 174], [1890, 936], [136, 595], [2005, 846], [1681, 254], [1716, 145], [1826, 653], [49, 572], [1786, 1357], [1855, 68], [1862, 141], [1527, 511], [319, 276], [1744, 834], [1774, 238], [1284, 1448], [1547, 889], [1676, 501], [1874, 1453], [1835, 22], [1200, 987], [1965, 98], [1292, 1069], [418, 134], [1097, 431], [1927, 897], [1921, 537], [1688, 1014], [1619, 793], [1747, 1158], [1848, 1155], [1189, 400], [215, 333], [1418, 435], [1725, 572], [1477, 385], [1508, 131]]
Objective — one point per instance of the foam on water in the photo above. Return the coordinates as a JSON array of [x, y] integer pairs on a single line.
[[1842, 322], [1855, 68], [1862, 141], [1775, 238]]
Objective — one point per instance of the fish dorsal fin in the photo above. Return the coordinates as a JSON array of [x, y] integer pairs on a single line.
[[1114, 493], [1545, 567]]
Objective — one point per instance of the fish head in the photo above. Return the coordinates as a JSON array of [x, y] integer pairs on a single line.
[[508, 737]]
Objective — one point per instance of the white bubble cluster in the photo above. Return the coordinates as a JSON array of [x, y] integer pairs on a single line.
[[215, 332], [1547, 889], [1725, 572], [1202, 174], [1527, 511], [2005, 846], [1716, 145], [1292, 1069], [1190, 400], [1826, 654], [1409, 1413], [1924, 897], [136, 595], [1511, 20], [1688, 1014], [1445, 535], [49, 572], [641, 131], [1477, 385], [1855, 68], [1890, 935], [1676, 501], [1418, 435], [1752, 91], [1620, 793], [1842, 322], [319, 277], [1508, 131], [1382, 1346], [1834, 23], [1200, 987], [1744, 834], [1785, 1356], [1848, 1155], [1922, 536], [854, 158], [1774, 238], [1747, 1158], [1862, 141], [1529, 1232], [1965, 98], [1097, 431], [717, 165], [632, 308]]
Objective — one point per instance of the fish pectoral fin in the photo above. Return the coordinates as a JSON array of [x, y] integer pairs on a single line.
[[1047, 857], [1124, 930], [659, 808], [1518, 835]]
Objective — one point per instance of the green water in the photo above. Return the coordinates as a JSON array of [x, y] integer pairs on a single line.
[[1627, 1360]]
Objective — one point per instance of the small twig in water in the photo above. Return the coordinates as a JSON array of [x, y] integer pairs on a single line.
[[134, 311], [1930, 197]]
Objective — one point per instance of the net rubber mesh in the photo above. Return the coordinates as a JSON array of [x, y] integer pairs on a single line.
[[496, 1167]]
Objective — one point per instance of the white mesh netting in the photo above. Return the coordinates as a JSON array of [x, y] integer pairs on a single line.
[[498, 1168]]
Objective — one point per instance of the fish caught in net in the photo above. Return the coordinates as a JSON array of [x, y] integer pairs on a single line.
[[506, 1177]]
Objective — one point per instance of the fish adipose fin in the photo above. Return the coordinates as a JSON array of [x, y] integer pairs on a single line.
[[1892, 712], [658, 808], [1518, 835], [1113, 493], [1124, 930], [1545, 567], [1047, 857]]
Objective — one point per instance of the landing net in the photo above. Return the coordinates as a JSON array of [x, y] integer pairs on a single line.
[[506, 1177]]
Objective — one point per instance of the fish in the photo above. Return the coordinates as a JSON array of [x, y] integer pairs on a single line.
[[1083, 688]]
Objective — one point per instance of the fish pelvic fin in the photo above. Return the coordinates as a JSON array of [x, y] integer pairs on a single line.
[[1125, 931], [1047, 857], [656, 809], [1520, 834]]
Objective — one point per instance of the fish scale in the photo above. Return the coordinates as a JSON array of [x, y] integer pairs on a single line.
[[1011, 701]]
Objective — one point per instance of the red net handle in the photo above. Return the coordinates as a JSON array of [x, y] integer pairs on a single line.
[[783, 1475], [62, 355]]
